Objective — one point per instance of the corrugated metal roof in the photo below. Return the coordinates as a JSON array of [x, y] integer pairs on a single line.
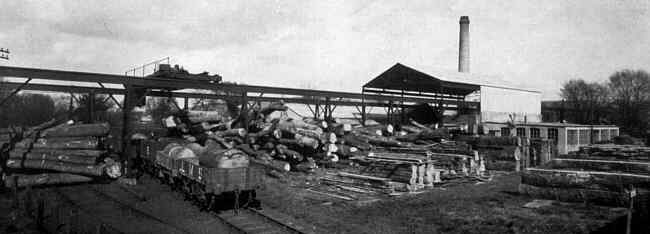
[[429, 79]]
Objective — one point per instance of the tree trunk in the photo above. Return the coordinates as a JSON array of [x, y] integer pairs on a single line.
[[593, 180], [642, 168], [59, 143], [91, 170], [599, 197], [78, 130], [358, 142], [59, 157], [44, 179]]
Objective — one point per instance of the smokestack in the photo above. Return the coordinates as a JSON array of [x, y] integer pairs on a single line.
[[463, 45]]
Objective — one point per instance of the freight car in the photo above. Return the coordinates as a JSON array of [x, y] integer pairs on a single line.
[[210, 188]]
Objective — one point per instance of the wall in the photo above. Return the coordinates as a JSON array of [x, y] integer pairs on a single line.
[[498, 103]]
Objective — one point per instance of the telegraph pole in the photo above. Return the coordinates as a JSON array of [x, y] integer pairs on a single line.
[[4, 53]]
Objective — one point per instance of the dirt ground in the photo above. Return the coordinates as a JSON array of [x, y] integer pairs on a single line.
[[490, 207]]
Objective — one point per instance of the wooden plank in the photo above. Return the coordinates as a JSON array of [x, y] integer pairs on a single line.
[[357, 176]]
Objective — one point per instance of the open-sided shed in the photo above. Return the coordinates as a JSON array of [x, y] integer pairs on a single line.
[[498, 102]]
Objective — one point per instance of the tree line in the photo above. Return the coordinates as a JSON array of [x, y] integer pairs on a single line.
[[622, 100]]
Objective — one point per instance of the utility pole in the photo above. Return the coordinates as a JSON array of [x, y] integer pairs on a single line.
[[4, 53]]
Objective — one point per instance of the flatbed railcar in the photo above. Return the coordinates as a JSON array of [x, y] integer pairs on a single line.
[[210, 188]]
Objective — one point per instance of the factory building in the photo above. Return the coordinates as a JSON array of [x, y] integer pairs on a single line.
[[500, 108]]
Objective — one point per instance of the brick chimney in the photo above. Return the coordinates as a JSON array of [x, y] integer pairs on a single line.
[[463, 45]]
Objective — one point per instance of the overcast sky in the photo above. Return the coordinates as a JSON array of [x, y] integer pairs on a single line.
[[332, 45]]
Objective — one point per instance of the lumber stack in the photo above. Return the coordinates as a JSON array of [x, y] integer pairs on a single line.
[[61, 154], [501, 153], [610, 151], [419, 168], [606, 178]]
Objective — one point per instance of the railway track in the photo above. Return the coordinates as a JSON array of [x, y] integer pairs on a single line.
[[94, 201], [253, 221]]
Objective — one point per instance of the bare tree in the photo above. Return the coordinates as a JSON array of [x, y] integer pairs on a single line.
[[588, 100], [630, 91]]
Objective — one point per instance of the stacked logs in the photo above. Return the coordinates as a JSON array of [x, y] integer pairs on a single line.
[[61, 154], [600, 174], [282, 143]]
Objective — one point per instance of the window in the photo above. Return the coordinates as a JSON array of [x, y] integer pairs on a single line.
[[595, 135], [521, 132], [584, 137], [494, 132], [572, 137], [552, 134], [505, 131], [613, 133], [604, 135], [534, 133]]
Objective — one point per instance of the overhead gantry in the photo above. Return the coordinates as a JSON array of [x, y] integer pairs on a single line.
[[134, 89]]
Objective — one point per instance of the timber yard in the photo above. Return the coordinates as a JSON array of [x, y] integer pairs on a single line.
[[423, 151]]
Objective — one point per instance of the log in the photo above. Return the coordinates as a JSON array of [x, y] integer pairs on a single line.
[[594, 180], [59, 143], [277, 165], [306, 166], [419, 125], [290, 125], [381, 141], [222, 141], [91, 170], [411, 137], [411, 129], [235, 132], [272, 107], [60, 157], [357, 142], [22, 180], [205, 116], [642, 168], [306, 141], [433, 134], [289, 154], [246, 148], [228, 158], [31, 131], [599, 197], [79, 130]]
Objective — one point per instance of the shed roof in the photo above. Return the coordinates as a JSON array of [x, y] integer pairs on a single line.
[[402, 77]]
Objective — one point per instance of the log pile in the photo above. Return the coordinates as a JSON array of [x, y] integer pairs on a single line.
[[610, 151], [600, 174], [282, 142], [58, 154]]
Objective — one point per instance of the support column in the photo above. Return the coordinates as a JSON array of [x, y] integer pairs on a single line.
[[126, 126], [71, 106], [91, 107], [185, 103], [363, 109], [244, 109]]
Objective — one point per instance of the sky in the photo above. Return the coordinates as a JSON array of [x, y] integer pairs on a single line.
[[332, 45]]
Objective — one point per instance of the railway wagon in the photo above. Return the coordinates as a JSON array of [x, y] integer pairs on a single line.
[[211, 188]]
